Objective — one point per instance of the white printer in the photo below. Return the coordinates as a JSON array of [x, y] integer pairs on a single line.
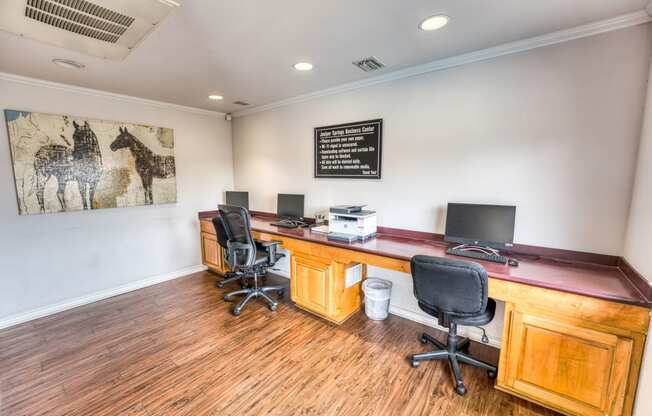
[[351, 222]]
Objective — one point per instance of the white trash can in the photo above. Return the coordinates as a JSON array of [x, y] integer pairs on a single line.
[[377, 293]]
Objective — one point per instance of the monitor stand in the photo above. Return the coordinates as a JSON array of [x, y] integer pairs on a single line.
[[480, 249]]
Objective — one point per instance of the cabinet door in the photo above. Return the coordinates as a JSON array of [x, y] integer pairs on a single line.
[[311, 283], [211, 252], [570, 368]]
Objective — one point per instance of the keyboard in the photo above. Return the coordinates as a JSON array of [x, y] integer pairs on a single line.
[[478, 255], [283, 224]]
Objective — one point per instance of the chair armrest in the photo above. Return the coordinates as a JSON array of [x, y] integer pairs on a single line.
[[239, 246], [235, 247], [271, 248]]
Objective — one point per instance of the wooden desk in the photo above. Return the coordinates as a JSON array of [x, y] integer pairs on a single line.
[[574, 333]]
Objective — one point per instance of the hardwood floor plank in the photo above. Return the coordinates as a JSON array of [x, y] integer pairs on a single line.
[[174, 349]]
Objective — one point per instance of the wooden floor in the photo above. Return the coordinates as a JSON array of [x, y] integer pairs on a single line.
[[174, 349]]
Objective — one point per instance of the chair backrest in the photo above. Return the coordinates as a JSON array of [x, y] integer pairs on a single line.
[[452, 287], [220, 231], [240, 243]]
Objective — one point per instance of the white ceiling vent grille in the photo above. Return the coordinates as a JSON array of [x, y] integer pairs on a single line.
[[369, 64], [80, 16], [105, 28]]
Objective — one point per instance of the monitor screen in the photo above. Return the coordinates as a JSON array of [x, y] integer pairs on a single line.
[[239, 199], [484, 225], [289, 206]]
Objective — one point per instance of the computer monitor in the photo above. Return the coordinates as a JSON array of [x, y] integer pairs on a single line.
[[289, 206], [481, 225], [239, 199]]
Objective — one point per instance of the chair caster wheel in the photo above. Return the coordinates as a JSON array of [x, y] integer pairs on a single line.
[[460, 389], [424, 340], [415, 364], [219, 284], [281, 293], [227, 298], [236, 312], [273, 307], [491, 374]]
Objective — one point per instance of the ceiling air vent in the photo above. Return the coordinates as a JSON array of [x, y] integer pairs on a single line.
[[242, 103], [81, 17], [369, 64], [104, 28]]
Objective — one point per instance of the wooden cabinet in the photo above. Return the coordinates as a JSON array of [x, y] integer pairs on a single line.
[[319, 286], [211, 252], [575, 367], [311, 283]]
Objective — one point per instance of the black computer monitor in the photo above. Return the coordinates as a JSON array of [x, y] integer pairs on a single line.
[[289, 206], [239, 199], [481, 225]]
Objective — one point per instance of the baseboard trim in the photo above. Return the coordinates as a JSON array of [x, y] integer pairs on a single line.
[[96, 296], [472, 333]]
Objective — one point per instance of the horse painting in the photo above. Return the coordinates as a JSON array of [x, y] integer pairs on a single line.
[[49, 152], [148, 164], [81, 164]]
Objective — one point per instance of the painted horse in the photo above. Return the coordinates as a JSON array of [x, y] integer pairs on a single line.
[[148, 164], [82, 164]]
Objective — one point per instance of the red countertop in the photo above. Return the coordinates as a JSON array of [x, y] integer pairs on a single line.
[[594, 280]]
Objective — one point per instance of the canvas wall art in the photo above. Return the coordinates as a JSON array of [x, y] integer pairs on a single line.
[[66, 163]]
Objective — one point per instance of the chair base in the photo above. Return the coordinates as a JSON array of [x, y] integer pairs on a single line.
[[453, 353], [255, 292], [228, 278]]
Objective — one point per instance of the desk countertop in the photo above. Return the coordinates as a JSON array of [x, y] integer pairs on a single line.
[[599, 281]]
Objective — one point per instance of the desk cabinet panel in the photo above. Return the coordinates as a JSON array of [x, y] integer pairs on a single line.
[[311, 283], [211, 252], [570, 368]]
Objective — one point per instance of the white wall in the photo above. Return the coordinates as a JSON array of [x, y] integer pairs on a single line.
[[638, 248], [638, 244], [554, 131], [54, 258]]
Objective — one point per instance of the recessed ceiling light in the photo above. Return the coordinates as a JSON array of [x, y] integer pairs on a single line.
[[67, 63], [215, 97], [434, 22], [303, 66]]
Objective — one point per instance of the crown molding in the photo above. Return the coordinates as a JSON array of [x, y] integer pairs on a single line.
[[4, 76], [553, 38]]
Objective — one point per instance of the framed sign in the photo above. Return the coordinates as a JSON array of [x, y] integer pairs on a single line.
[[350, 150]]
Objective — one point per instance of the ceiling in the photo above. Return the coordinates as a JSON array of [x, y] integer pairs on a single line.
[[244, 50]]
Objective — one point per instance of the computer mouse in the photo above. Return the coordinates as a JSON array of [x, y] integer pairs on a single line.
[[513, 262]]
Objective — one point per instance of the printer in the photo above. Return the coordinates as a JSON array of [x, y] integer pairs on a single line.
[[351, 222]]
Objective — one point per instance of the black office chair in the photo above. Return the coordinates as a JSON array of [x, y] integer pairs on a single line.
[[248, 258], [222, 239], [455, 292]]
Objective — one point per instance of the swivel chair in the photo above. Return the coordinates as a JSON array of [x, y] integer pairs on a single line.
[[247, 259], [222, 239], [455, 292]]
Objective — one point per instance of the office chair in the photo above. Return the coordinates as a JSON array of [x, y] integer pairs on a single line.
[[455, 292], [248, 258], [222, 240]]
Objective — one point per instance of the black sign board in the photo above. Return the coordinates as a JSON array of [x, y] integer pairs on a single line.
[[350, 150]]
